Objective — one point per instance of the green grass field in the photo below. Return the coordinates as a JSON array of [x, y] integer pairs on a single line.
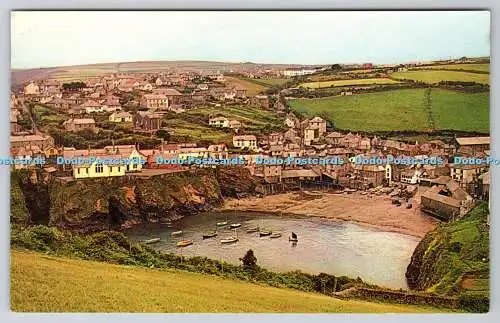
[[268, 82], [41, 283], [194, 123], [461, 111], [432, 77], [251, 87], [401, 110], [322, 84], [460, 67]]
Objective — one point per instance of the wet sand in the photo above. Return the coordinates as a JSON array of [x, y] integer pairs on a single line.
[[374, 211]]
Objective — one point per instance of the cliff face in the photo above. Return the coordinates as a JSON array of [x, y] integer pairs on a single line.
[[453, 259], [96, 204]]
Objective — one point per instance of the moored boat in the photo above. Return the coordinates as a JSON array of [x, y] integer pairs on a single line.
[[177, 233], [264, 233], [221, 224], [235, 225], [210, 235], [252, 229], [184, 243], [150, 241], [293, 237], [275, 235], [229, 240]]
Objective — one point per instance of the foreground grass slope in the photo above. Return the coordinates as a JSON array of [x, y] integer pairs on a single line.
[[41, 283]]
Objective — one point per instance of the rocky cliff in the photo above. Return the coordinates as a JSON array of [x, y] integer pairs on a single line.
[[453, 259], [96, 204]]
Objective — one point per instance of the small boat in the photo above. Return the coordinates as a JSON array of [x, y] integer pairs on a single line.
[[293, 238], [252, 229], [150, 241], [210, 235], [184, 243], [177, 233], [221, 224], [229, 240], [275, 235], [235, 225], [264, 233]]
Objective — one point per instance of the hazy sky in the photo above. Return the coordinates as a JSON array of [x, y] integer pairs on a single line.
[[42, 39]]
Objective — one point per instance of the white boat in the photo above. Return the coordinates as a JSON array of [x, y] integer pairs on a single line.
[[275, 235], [229, 240], [235, 225], [177, 233], [184, 243], [153, 240]]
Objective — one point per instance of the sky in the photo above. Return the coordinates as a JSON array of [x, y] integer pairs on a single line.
[[63, 38]]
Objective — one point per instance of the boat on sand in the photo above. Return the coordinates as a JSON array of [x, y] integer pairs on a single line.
[[184, 243], [150, 241]]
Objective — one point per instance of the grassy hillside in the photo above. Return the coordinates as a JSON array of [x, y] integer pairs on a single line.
[[252, 87], [194, 123], [353, 82], [433, 77], [41, 283], [460, 111], [401, 110], [460, 67], [453, 260], [392, 110]]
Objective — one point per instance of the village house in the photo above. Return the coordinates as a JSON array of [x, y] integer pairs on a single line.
[[58, 103], [260, 101], [291, 121], [218, 151], [145, 120], [466, 175], [120, 117], [446, 201], [31, 89], [299, 175], [245, 142], [473, 145], [92, 106], [154, 101], [272, 173], [173, 96], [14, 126], [27, 141], [334, 139], [221, 122], [235, 125], [115, 165], [75, 125], [484, 186]]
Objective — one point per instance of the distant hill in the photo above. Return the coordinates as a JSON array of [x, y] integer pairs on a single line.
[[21, 76]]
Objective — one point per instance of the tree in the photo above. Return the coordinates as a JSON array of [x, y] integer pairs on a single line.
[[249, 261]]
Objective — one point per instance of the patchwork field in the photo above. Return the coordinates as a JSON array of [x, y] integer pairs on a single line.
[[370, 81], [432, 77], [268, 82], [252, 87], [41, 283], [460, 67], [401, 110]]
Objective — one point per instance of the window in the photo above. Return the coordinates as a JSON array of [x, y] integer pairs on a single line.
[[99, 168], [78, 171], [119, 169]]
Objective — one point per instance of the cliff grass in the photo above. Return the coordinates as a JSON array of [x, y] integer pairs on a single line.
[[41, 283], [113, 247], [453, 260]]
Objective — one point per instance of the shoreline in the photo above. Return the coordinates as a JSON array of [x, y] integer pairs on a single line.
[[375, 212]]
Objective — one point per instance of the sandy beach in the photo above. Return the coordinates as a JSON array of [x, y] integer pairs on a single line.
[[374, 211]]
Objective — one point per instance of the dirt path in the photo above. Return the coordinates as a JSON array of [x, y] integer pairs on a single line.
[[375, 211]]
